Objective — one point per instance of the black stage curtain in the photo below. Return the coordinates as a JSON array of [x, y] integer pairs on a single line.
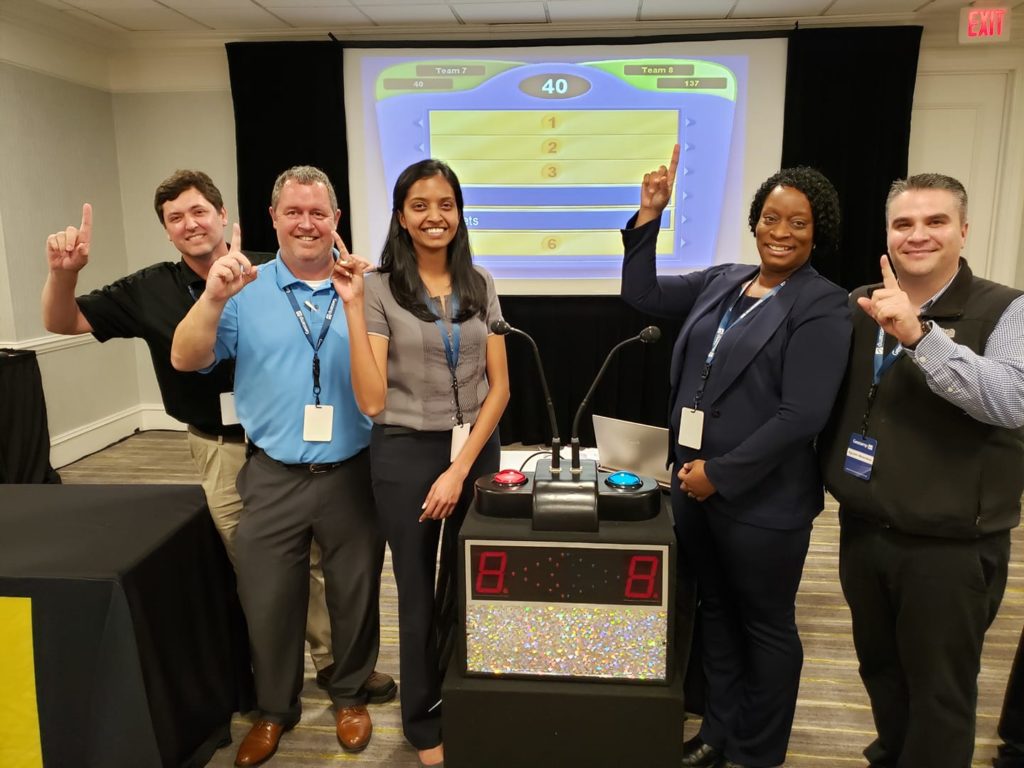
[[847, 112], [271, 137], [849, 94]]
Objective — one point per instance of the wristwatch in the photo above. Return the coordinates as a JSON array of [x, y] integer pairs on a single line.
[[926, 326]]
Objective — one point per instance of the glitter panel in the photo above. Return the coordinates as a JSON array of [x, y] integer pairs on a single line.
[[615, 642]]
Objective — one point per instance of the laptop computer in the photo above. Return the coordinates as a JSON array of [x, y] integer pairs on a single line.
[[634, 447]]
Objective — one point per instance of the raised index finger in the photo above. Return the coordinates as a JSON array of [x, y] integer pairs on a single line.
[[340, 245], [673, 164], [85, 231], [888, 276], [236, 238]]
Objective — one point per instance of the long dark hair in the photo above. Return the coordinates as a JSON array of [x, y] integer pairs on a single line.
[[398, 259]]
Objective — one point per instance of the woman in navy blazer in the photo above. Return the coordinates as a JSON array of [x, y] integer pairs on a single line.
[[744, 414]]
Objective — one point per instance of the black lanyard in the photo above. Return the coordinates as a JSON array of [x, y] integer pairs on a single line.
[[309, 336]]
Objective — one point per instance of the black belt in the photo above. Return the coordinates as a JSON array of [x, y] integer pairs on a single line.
[[232, 437], [313, 469]]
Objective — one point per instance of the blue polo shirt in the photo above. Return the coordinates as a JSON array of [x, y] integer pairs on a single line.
[[274, 367]]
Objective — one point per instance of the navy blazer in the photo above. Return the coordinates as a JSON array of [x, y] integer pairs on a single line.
[[774, 381]]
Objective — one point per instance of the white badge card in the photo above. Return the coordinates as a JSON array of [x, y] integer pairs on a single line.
[[319, 421], [460, 434], [228, 415], [860, 456], [691, 428]]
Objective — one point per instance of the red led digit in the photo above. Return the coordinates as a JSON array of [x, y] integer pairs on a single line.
[[641, 577], [490, 565]]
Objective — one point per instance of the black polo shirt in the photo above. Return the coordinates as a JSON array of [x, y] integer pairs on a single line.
[[148, 305]]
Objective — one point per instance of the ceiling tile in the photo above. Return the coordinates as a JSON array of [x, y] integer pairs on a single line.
[[218, 17], [312, 16], [498, 13], [145, 19], [592, 10], [653, 10], [410, 14], [759, 9], [853, 7]]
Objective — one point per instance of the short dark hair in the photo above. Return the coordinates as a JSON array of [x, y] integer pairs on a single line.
[[930, 181], [306, 175], [820, 194], [180, 181]]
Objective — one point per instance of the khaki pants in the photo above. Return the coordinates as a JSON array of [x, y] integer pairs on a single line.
[[218, 462]]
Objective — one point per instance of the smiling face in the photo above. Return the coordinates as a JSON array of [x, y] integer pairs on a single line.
[[430, 215], [195, 226], [305, 224], [925, 235], [784, 232]]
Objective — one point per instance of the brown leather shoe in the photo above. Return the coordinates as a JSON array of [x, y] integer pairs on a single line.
[[380, 688], [260, 744], [354, 728]]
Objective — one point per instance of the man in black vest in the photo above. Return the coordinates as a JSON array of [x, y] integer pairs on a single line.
[[925, 454]]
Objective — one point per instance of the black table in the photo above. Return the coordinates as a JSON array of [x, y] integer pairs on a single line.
[[140, 651], [24, 434]]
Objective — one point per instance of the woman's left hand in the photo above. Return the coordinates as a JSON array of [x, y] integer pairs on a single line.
[[694, 482], [443, 495]]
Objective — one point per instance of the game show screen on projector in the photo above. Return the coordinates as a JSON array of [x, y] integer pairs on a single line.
[[550, 150]]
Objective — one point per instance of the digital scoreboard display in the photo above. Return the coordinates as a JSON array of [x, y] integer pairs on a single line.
[[550, 155], [566, 609]]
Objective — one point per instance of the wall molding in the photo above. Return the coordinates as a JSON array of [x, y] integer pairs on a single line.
[[43, 345], [97, 435]]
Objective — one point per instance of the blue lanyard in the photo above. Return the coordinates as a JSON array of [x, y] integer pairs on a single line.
[[884, 362], [451, 337], [309, 336], [723, 325]]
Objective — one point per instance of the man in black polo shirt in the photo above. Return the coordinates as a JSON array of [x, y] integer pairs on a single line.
[[149, 304]]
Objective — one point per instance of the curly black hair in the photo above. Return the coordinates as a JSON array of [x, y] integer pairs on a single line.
[[819, 192]]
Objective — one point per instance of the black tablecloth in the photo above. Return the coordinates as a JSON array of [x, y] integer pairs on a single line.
[[140, 649], [24, 433]]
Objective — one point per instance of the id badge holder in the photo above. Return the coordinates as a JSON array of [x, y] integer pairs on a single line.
[[228, 414], [691, 428], [318, 423], [460, 434], [860, 456]]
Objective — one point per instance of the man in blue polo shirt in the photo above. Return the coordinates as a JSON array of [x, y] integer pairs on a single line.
[[308, 475]]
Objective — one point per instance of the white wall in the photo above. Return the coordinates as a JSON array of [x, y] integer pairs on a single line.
[[80, 122]]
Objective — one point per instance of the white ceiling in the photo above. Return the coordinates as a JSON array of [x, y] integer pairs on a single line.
[[285, 17]]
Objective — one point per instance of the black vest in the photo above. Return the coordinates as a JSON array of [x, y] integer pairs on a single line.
[[937, 470]]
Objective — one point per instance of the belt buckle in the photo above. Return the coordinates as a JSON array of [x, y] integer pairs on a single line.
[[319, 469]]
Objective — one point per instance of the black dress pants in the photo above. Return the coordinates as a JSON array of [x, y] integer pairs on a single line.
[[920, 608], [1011, 721], [747, 579], [404, 464]]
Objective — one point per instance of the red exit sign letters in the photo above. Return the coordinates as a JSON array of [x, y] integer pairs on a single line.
[[984, 24]]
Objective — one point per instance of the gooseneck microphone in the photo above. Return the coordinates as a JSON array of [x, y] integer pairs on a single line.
[[502, 328], [648, 335]]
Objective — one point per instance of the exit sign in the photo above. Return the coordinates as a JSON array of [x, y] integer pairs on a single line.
[[984, 24]]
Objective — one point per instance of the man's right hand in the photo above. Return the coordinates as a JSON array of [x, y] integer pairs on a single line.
[[68, 251], [231, 272]]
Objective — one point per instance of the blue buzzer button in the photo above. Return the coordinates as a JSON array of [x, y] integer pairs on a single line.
[[623, 481], [509, 478]]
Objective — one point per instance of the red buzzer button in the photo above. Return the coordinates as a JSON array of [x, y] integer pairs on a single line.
[[509, 478]]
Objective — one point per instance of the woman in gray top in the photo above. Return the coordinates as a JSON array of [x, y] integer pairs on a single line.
[[435, 381]]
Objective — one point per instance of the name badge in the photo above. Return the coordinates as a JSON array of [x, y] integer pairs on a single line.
[[228, 415], [860, 456], [460, 434], [318, 423], [691, 428]]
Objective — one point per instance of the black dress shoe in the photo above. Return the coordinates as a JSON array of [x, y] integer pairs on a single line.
[[697, 754]]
